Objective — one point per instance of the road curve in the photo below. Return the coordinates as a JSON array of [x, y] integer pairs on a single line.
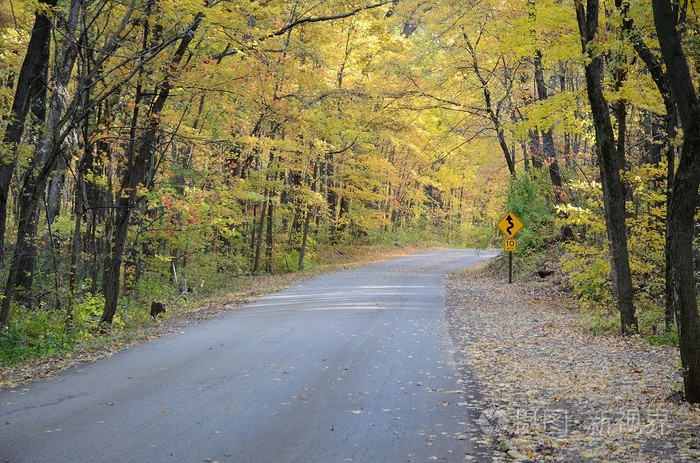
[[353, 366]]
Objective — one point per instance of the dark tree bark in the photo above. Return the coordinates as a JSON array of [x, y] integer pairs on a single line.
[[660, 78], [535, 148], [269, 235], [258, 237], [29, 94], [135, 173], [265, 209], [549, 151], [48, 149], [491, 110], [47, 157], [609, 164], [684, 199], [310, 211], [547, 136], [304, 239]]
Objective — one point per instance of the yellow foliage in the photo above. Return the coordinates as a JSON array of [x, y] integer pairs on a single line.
[[587, 259]]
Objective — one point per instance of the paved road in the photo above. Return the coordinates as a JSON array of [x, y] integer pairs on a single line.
[[353, 366]]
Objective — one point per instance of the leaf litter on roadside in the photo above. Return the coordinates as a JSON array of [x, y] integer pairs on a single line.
[[552, 392]]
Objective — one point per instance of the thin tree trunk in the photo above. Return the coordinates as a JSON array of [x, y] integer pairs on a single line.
[[269, 235], [259, 237], [547, 136], [75, 246], [490, 110], [304, 238]]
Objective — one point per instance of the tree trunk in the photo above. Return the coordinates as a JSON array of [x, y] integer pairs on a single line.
[[269, 235], [30, 93], [547, 137], [492, 112], [258, 239], [535, 149], [304, 239], [48, 147], [44, 163], [609, 163], [135, 173], [684, 199], [660, 78]]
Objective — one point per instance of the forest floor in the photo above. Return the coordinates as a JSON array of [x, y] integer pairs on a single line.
[[551, 391]]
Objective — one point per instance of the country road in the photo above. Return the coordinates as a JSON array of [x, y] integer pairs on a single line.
[[353, 366]]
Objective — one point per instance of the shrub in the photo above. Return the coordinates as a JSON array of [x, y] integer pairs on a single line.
[[530, 198]]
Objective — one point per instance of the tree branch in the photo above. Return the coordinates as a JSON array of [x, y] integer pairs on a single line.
[[317, 19]]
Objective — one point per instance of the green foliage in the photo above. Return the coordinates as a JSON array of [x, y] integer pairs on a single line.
[[530, 198], [603, 322], [285, 262], [666, 338], [86, 314], [34, 334], [477, 236]]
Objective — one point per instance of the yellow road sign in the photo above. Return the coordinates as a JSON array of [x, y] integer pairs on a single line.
[[510, 225], [509, 245]]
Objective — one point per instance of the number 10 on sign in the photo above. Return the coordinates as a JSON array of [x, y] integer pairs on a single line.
[[510, 245]]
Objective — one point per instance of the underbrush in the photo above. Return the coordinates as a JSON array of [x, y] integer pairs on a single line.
[[548, 269], [579, 267]]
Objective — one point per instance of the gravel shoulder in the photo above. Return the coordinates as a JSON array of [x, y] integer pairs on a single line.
[[550, 391]]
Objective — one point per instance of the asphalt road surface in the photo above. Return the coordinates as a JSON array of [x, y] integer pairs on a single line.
[[353, 366]]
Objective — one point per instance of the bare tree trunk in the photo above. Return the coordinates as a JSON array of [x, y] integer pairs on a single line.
[[609, 163], [136, 173], [29, 94], [684, 199]]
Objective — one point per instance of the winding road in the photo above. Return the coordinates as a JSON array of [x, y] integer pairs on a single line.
[[351, 366]]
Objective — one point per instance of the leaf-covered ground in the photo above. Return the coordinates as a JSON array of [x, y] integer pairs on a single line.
[[550, 391]]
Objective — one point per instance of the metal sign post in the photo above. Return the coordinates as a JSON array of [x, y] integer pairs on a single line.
[[510, 246]]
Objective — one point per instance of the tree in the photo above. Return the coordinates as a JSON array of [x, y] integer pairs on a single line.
[[47, 155], [683, 202], [493, 110], [609, 164], [138, 163], [30, 93], [658, 74]]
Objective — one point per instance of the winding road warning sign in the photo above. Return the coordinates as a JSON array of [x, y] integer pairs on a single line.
[[510, 225]]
